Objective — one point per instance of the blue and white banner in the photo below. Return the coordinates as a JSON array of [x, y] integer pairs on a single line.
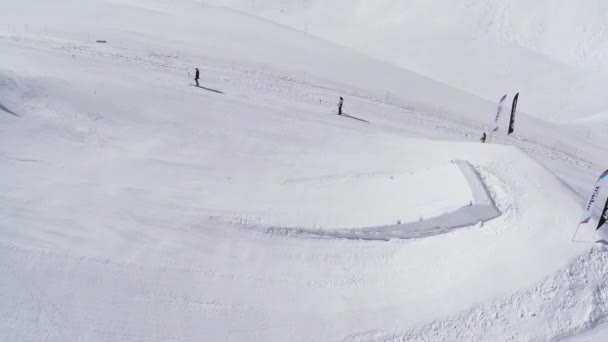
[[500, 105], [588, 213]]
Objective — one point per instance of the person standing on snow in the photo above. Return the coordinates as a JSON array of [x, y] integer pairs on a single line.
[[483, 138], [196, 77], [340, 105]]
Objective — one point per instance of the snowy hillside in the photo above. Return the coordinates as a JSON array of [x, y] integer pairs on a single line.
[[552, 51], [136, 206]]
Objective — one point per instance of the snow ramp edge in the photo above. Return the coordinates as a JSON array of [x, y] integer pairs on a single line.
[[482, 209]]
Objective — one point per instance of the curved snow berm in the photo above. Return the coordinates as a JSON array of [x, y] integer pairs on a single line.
[[481, 209]]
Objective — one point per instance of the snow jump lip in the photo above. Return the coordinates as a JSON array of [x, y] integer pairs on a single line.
[[482, 209]]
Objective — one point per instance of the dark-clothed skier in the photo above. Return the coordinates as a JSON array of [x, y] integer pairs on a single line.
[[483, 138], [196, 77], [340, 105]]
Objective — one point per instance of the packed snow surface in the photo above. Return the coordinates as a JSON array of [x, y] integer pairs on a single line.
[[373, 199], [135, 206], [554, 51]]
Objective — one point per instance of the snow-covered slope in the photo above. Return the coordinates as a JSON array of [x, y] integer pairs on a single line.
[[136, 206], [205, 32], [113, 210], [553, 52]]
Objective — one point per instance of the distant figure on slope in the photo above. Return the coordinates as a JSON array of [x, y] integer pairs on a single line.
[[483, 138], [340, 105], [197, 76]]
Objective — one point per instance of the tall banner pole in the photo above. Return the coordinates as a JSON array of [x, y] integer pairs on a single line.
[[513, 111], [604, 216]]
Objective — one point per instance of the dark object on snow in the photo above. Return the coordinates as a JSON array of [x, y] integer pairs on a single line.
[[209, 89], [340, 105], [101, 41], [4, 109], [513, 110], [604, 216], [197, 76], [346, 115], [483, 138]]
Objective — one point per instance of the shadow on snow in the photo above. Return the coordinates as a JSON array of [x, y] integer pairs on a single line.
[[3, 108], [209, 89], [354, 117]]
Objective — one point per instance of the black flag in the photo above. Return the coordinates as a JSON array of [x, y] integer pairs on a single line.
[[513, 110], [604, 217]]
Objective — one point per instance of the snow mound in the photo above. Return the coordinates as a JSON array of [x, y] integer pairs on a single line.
[[480, 209], [358, 200]]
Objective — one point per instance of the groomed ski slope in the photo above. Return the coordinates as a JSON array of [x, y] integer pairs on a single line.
[[553, 49], [120, 183]]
